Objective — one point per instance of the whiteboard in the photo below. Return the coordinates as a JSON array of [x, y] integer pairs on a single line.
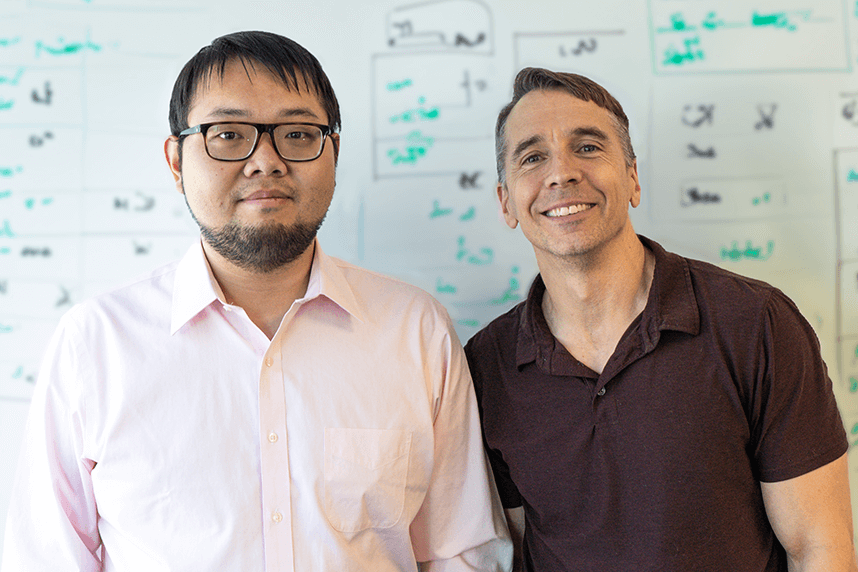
[[744, 117]]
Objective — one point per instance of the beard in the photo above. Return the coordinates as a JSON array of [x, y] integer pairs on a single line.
[[263, 248]]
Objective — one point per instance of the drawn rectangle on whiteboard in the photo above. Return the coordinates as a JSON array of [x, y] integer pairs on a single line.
[[847, 203], [845, 114], [731, 199], [46, 300], [26, 150], [123, 5], [584, 51], [849, 299], [40, 95], [428, 110], [601, 55], [849, 363], [740, 36]]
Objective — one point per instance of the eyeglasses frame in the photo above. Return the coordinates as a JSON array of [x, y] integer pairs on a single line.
[[261, 128]]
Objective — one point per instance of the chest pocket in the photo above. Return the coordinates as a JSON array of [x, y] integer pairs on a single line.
[[366, 471]]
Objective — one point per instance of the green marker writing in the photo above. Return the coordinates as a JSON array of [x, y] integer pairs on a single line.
[[437, 211], [443, 288], [397, 85], [12, 80]]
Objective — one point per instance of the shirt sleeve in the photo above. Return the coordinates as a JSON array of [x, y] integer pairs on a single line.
[[460, 525], [52, 519], [795, 421]]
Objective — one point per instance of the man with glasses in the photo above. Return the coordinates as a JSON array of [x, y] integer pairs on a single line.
[[257, 405]]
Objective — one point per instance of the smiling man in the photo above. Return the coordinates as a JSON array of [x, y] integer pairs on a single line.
[[644, 411], [257, 405]]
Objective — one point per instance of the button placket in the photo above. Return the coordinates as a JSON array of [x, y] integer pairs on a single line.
[[276, 495]]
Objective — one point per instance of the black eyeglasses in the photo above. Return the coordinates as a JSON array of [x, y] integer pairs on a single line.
[[236, 141]]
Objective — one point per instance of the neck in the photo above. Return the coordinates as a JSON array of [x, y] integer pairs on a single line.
[[264, 296], [591, 300]]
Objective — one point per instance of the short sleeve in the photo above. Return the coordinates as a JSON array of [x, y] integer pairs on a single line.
[[795, 423]]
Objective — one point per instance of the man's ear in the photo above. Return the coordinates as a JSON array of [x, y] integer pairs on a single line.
[[635, 198], [335, 141], [503, 198], [171, 153]]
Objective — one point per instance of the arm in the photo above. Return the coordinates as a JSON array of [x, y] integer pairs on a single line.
[[812, 517], [53, 522], [460, 526], [515, 521]]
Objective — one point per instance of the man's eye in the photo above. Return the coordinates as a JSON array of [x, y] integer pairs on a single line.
[[530, 159], [228, 135], [589, 148], [300, 134]]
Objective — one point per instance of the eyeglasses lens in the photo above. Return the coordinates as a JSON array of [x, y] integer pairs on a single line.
[[232, 141]]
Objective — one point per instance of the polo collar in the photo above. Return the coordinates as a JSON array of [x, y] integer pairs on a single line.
[[671, 305]]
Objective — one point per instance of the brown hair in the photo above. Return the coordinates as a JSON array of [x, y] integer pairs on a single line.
[[532, 79]]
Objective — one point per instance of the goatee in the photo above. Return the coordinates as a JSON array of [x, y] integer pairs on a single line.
[[261, 248]]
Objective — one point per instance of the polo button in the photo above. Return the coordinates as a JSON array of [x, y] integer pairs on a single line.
[[601, 392], [269, 362], [272, 437], [276, 517]]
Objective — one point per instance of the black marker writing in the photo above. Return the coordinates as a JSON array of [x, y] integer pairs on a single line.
[[693, 196], [694, 152], [767, 116], [705, 116], [469, 181]]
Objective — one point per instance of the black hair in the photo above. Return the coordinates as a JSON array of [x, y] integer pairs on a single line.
[[281, 56]]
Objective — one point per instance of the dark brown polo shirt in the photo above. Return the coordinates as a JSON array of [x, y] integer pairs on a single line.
[[655, 464]]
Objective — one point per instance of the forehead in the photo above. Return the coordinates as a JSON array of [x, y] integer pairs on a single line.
[[253, 90], [541, 112]]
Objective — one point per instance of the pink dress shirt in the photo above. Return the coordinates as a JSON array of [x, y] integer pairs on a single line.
[[168, 433]]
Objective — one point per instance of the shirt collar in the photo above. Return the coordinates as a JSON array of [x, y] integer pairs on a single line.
[[195, 286], [328, 279], [671, 305]]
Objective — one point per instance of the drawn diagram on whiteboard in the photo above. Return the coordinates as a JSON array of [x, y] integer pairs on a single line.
[[441, 25], [738, 36], [427, 100], [846, 283]]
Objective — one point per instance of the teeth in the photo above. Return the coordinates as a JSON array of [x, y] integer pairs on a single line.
[[563, 211]]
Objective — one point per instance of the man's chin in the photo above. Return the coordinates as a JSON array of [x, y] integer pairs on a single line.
[[262, 248]]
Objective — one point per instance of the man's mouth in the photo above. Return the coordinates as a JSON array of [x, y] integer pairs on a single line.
[[265, 195], [568, 210]]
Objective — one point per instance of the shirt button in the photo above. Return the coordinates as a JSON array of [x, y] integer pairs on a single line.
[[601, 392], [269, 362], [276, 517], [272, 437]]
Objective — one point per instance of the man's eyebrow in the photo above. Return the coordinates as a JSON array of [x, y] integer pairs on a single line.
[[228, 112], [593, 132], [304, 112], [237, 112], [523, 146]]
